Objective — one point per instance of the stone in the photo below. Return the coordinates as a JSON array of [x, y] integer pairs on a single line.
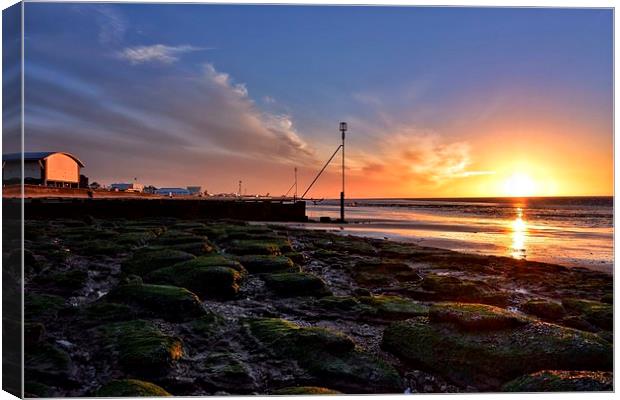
[[562, 381], [130, 388], [296, 284]]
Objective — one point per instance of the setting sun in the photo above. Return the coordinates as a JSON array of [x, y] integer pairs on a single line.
[[519, 185]]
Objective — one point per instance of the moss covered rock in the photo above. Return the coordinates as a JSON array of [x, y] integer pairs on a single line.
[[329, 356], [394, 307], [303, 390], [145, 261], [64, 282], [104, 311], [260, 264], [562, 381], [489, 358], [143, 349], [437, 287], [475, 317], [130, 388], [210, 277], [171, 303], [544, 309], [136, 238], [296, 284], [256, 247], [596, 313], [46, 363], [42, 306], [226, 371]]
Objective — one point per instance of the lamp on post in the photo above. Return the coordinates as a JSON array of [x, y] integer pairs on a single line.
[[343, 129]]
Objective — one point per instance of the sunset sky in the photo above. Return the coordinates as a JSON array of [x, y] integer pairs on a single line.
[[440, 101]]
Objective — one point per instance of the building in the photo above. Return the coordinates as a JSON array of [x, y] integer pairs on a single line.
[[194, 190], [172, 192], [48, 168], [127, 187]]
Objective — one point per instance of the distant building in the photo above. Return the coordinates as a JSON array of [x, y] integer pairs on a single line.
[[172, 192], [127, 187], [194, 190], [47, 168]]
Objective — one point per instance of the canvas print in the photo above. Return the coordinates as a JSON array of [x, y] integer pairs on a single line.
[[228, 199]]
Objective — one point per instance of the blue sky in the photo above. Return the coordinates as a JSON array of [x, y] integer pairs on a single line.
[[205, 94]]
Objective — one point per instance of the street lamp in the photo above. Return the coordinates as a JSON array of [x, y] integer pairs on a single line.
[[343, 129]]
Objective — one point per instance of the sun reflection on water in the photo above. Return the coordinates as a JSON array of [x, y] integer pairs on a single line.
[[519, 233]]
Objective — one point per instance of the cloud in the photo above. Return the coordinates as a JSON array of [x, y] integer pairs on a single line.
[[416, 155], [155, 53], [111, 23]]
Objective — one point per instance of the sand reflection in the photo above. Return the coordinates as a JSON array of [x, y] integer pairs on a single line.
[[519, 234]]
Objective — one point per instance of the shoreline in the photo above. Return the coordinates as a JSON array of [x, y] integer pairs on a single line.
[[221, 292]]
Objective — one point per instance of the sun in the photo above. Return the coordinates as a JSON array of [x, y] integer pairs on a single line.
[[519, 185]]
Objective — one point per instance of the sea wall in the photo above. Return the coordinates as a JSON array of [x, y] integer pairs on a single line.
[[262, 210]]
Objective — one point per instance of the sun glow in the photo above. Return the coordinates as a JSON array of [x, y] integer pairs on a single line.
[[519, 185]]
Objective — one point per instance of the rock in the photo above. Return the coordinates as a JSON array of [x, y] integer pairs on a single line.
[[64, 282], [145, 261], [562, 381], [296, 257], [475, 317], [303, 390], [544, 309], [46, 363], [449, 288], [209, 277], [296, 284], [42, 306], [34, 333], [168, 302], [99, 248], [137, 238], [574, 321], [225, 371], [143, 349], [596, 313], [103, 311], [489, 358], [329, 356], [378, 272], [130, 388], [608, 298], [256, 247], [394, 307], [36, 389], [260, 264]]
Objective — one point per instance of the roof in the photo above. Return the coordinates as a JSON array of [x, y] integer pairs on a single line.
[[38, 155]]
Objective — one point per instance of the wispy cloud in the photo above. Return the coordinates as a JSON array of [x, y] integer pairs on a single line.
[[156, 53], [418, 155]]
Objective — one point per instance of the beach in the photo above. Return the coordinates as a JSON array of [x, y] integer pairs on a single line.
[[201, 307], [570, 231]]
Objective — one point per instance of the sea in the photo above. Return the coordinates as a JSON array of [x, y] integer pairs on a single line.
[[570, 231]]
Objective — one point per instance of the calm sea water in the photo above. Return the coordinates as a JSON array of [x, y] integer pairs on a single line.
[[571, 231]]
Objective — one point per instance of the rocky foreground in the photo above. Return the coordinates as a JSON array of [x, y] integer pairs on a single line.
[[169, 307]]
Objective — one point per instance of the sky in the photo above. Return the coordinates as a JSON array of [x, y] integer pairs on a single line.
[[440, 102]]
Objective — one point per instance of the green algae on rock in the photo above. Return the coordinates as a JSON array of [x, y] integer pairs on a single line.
[[544, 309], [599, 314], [394, 307], [296, 284], [475, 317], [259, 264], [46, 363], [226, 371], [489, 358], [303, 390], [562, 381], [330, 356], [171, 303], [143, 349], [210, 276], [257, 247], [131, 388], [147, 260], [42, 306]]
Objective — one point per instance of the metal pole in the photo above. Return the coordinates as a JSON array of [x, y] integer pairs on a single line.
[[295, 198], [342, 193]]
